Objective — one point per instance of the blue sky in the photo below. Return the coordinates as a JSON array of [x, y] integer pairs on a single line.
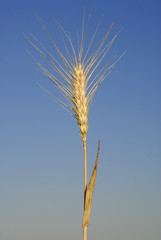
[[41, 154]]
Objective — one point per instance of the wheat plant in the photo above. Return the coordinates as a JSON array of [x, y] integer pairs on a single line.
[[78, 81]]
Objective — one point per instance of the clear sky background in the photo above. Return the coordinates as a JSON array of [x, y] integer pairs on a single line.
[[41, 153]]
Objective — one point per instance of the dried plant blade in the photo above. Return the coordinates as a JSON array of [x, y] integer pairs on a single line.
[[89, 193]]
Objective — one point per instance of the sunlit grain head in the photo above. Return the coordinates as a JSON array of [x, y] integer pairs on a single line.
[[78, 74]]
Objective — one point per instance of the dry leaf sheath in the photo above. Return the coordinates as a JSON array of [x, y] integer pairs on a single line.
[[73, 74], [89, 193]]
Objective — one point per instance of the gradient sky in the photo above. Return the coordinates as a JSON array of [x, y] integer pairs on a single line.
[[41, 154]]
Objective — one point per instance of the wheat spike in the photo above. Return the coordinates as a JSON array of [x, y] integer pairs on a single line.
[[75, 73], [80, 99]]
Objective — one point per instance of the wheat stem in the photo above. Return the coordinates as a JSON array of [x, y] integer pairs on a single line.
[[85, 167], [85, 182], [85, 233]]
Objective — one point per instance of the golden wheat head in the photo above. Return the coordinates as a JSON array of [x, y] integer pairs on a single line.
[[75, 72]]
